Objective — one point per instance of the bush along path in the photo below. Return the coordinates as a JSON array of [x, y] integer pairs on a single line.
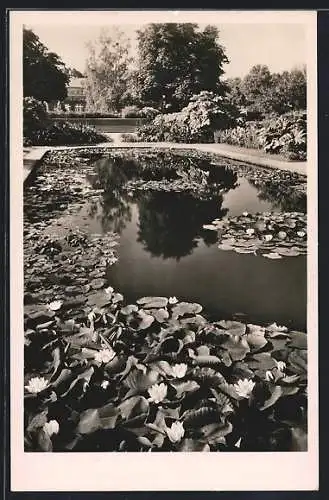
[[102, 374]]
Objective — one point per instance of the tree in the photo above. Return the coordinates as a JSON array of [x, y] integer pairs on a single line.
[[108, 72], [256, 87], [176, 61], [45, 76], [265, 92]]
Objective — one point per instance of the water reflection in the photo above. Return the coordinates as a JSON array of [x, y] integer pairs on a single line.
[[171, 223]]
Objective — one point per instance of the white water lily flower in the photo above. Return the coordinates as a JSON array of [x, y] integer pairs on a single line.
[[281, 365], [245, 214], [36, 384], [105, 355], [172, 300], [269, 376], [157, 393], [179, 370], [105, 384], [55, 305], [244, 387], [109, 290], [51, 427], [175, 432], [268, 237], [250, 231], [301, 234], [238, 443]]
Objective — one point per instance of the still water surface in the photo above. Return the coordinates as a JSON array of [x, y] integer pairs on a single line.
[[164, 250]]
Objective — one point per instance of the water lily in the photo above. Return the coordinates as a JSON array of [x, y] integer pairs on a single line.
[[105, 384], [109, 290], [105, 355], [282, 235], [51, 427], [172, 300], [179, 370], [281, 365], [245, 214], [268, 237], [157, 393], [301, 234], [269, 376], [55, 305], [250, 231], [244, 387], [175, 432], [36, 384]]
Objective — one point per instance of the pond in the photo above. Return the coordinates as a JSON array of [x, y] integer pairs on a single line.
[[164, 304], [164, 249]]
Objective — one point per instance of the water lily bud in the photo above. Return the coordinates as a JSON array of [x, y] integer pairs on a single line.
[[250, 231], [179, 370], [105, 355], [36, 384], [244, 388], [105, 384], [172, 300], [157, 393], [175, 432], [268, 237], [281, 365], [51, 427], [269, 376]]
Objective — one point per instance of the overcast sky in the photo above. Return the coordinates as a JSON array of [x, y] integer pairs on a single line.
[[280, 46]]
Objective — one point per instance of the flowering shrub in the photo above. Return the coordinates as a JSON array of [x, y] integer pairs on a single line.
[[196, 122]]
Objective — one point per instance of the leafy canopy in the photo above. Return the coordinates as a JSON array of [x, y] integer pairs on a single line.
[[176, 61], [108, 72], [45, 76]]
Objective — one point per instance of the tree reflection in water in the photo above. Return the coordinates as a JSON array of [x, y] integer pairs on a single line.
[[171, 223]]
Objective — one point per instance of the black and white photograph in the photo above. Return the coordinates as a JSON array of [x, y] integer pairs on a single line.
[[163, 193]]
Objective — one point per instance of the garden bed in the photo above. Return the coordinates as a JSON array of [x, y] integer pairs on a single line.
[[158, 373]]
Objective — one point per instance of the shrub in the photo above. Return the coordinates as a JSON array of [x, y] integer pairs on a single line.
[[286, 134], [149, 113], [131, 112], [63, 133], [244, 136], [129, 138], [34, 115], [196, 122]]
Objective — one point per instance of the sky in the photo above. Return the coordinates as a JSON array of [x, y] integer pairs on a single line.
[[281, 46]]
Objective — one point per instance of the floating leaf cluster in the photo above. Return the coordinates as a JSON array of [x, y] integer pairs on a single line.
[[273, 235]]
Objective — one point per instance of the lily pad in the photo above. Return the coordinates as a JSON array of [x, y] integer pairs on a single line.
[[152, 302], [183, 308]]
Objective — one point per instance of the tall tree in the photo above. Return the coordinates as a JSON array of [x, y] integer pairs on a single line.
[[108, 72], [176, 61], [45, 76]]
